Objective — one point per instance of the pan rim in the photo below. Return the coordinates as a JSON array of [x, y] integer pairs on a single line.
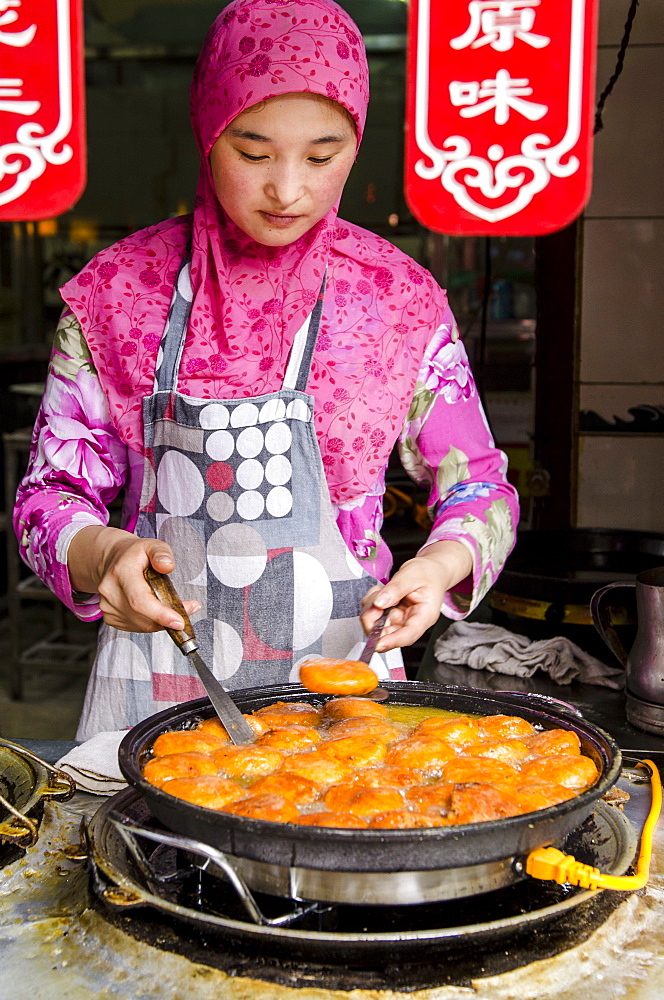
[[607, 778]]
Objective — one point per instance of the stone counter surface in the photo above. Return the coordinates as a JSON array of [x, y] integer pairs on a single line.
[[54, 947]]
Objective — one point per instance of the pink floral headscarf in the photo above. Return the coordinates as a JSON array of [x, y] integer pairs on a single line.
[[246, 292], [249, 300]]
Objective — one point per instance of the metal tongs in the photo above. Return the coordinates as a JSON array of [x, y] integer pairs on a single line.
[[230, 715]]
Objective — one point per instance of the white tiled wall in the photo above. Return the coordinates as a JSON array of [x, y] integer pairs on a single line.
[[648, 27], [622, 333], [620, 482], [621, 477], [627, 174]]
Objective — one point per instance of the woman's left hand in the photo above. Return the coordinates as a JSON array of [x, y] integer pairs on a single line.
[[415, 593]]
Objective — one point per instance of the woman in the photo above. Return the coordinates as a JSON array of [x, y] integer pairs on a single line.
[[244, 374]]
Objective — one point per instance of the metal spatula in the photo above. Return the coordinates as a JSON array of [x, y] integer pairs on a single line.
[[379, 693], [230, 715]]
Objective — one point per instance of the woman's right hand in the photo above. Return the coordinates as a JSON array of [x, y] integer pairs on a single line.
[[110, 562]]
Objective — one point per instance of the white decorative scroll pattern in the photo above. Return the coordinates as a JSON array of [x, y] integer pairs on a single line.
[[28, 156], [460, 171]]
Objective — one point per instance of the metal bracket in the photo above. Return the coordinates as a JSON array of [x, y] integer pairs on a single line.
[[63, 786], [20, 827], [130, 831]]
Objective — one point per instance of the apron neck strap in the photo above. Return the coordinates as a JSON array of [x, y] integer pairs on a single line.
[[175, 335], [175, 330], [302, 350]]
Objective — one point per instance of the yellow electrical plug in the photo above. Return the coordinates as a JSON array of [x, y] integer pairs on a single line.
[[550, 864]]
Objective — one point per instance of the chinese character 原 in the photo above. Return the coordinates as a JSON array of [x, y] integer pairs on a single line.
[[498, 23]]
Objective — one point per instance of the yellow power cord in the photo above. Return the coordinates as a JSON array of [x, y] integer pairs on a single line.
[[551, 864]]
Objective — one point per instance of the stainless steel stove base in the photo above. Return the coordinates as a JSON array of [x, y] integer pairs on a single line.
[[608, 840], [371, 889]]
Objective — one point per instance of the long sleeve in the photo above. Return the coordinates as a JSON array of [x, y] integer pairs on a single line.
[[447, 447], [77, 466]]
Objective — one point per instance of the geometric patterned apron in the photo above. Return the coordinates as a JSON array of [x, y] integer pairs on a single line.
[[237, 489]]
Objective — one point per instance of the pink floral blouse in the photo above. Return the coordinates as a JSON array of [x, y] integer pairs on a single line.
[[79, 465]]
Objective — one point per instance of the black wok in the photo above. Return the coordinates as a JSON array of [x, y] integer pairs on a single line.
[[351, 850]]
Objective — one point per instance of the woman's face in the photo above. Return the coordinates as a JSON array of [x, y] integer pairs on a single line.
[[279, 168]]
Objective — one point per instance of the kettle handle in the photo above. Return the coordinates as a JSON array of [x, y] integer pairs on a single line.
[[599, 609]]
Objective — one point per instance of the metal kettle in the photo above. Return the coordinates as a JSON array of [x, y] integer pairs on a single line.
[[644, 664]]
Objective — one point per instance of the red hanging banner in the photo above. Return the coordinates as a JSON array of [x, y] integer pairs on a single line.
[[42, 125], [499, 117]]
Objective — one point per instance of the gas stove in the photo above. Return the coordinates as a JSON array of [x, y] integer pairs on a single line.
[[88, 912]]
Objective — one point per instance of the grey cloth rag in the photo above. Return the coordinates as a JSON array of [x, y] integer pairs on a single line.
[[94, 764], [489, 647]]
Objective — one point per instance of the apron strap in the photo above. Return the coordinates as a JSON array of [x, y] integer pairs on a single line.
[[302, 350], [175, 334], [175, 330]]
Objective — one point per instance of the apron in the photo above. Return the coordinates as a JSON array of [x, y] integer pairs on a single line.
[[237, 489]]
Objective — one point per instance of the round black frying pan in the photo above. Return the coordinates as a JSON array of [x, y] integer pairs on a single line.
[[350, 850]]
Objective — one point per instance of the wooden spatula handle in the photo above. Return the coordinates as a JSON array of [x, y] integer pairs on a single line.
[[163, 588]]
